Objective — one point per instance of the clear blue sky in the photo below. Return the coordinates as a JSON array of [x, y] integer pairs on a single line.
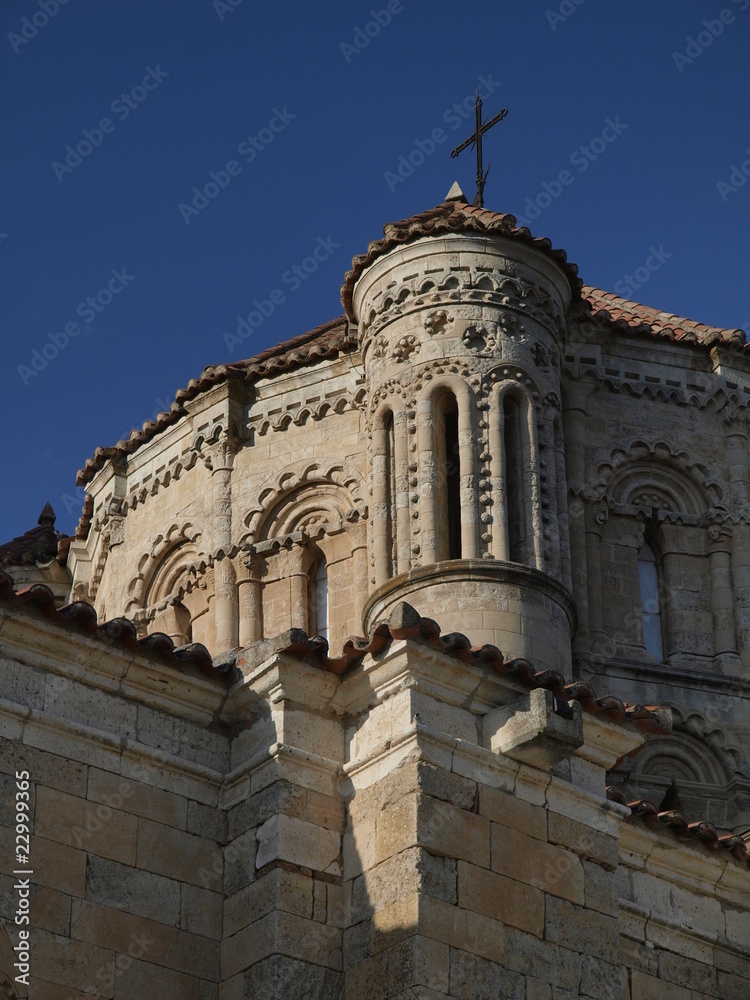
[[183, 88]]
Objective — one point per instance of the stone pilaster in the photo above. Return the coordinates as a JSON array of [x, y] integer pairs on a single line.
[[285, 908]]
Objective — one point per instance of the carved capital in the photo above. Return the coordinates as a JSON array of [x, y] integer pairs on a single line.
[[219, 454]]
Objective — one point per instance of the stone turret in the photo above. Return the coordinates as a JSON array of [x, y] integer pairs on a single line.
[[460, 322]]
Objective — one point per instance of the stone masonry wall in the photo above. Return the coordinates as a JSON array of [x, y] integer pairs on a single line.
[[126, 891]]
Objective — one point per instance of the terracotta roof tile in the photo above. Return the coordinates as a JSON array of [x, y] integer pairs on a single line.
[[631, 317], [39, 544], [323, 342], [454, 217], [677, 823], [118, 631], [406, 623], [331, 338]]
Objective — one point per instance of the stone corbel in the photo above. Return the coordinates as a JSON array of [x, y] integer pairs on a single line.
[[538, 729]]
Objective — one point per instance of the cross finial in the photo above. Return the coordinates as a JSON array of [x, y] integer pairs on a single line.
[[476, 137]]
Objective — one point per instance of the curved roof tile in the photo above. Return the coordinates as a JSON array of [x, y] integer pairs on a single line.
[[118, 631], [678, 824], [454, 217], [406, 623], [323, 342], [632, 317]]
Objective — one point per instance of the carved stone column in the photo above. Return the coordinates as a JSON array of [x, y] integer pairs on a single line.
[[722, 594], [250, 602], [219, 458], [575, 415]]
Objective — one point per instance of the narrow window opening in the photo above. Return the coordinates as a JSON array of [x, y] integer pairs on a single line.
[[321, 599], [452, 477], [514, 479], [390, 493], [648, 575]]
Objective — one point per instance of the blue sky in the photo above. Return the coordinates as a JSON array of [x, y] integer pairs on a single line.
[[113, 114]]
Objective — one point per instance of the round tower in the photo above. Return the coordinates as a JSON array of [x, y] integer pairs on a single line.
[[460, 318]]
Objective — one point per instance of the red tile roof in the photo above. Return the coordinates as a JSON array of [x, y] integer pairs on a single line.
[[675, 821], [323, 342], [118, 631], [38, 544], [631, 317], [454, 217], [406, 623], [331, 338]]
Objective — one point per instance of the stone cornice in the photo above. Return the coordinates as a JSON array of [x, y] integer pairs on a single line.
[[95, 662]]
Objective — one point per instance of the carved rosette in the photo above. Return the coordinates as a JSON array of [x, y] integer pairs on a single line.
[[461, 300]]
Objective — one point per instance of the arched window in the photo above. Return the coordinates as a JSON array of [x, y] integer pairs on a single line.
[[319, 602], [448, 477], [650, 610], [515, 479]]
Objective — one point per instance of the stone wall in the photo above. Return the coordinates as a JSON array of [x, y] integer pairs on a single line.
[[419, 824], [125, 765]]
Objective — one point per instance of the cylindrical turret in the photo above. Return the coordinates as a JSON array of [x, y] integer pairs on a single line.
[[460, 320]]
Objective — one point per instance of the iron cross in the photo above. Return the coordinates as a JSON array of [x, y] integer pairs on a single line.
[[476, 137]]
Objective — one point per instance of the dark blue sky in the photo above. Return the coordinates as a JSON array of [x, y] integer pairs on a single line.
[[317, 123]]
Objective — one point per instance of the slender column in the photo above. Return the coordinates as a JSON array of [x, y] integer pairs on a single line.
[[574, 423], [595, 519], [219, 458], [739, 474], [299, 589], [500, 546], [225, 606], [741, 583], [677, 621], [548, 476], [428, 482], [401, 486], [251, 605], [380, 502], [722, 595], [533, 497], [468, 461]]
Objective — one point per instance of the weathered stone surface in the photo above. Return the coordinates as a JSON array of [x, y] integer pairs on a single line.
[[298, 842], [537, 863], [600, 980], [581, 930], [482, 980], [150, 940], [276, 890], [508, 810], [514, 903], [283, 978], [544, 960], [128, 888]]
